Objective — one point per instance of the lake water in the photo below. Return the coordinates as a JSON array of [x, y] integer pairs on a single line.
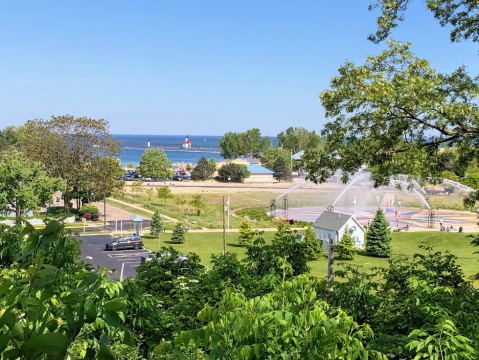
[[137, 142]]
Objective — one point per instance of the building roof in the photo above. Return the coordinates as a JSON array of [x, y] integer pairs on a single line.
[[298, 155], [258, 169], [331, 220]]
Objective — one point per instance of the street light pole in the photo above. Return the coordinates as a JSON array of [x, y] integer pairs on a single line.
[[228, 203], [224, 231]]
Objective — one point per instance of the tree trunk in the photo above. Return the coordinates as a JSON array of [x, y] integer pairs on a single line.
[[66, 204]]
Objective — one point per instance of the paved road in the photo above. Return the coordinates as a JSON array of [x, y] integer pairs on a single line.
[[93, 251]]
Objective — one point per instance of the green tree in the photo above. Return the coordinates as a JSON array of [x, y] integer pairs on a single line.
[[178, 233], [198, 203], [281, 171], [164, 192], [233, 172], [9, 138], [66, 145], [312, 245], [202, 170], [345, 247], [246, 233], [229, 145], [269, 156], [188, 167], [297, 139], [103, 172], [393, 113], [25, 185], [460, 15], [212, 165], [154, 163], [281, 231], [137, 186], [378, 237], [156, 223], [130, 165]]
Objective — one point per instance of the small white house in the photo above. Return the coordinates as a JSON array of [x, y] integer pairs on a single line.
[[330, 226]]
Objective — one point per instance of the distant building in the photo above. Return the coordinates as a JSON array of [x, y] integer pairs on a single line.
[[258, 174], [186, 143], [330, 227]]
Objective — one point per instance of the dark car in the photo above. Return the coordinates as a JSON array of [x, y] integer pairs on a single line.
[[177, 178], [125, 242]]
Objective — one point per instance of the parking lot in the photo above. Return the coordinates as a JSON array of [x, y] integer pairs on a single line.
[[93, 251]]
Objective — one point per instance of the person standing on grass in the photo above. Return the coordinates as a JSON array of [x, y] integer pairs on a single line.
[[440, 222]]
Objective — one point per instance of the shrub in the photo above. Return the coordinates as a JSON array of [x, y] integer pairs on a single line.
[[95, 217], [246, 233], [55, 210], [88, 208], [345, 248], [257, 213], [87, 216]]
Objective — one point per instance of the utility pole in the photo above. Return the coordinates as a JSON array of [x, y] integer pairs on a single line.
[[228, 203], [330, 263], [224, 230]]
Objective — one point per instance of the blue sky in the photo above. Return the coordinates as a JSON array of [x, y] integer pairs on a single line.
[[197, 67]]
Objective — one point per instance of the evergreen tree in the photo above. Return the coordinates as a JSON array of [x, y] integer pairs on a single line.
[[179, 233], [156, 223], [378, 237], [202, 171], [246, 233], [282, 231], [312, 245], [345, 248], [281, 171]]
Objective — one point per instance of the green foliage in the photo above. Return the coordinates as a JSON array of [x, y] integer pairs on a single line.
[[202, 171], [88, 208], [281, 170], [78, 142], [378, 236], [212, 165], [245, 143], [48, 299], [345, 247], [156, 223], [9, 138], [198, 203], [390, 113], [154, 163], [294, 324], [233, 172], [257, 213], [297, 139], [179, 233], [25, 185], [460, 15], [164, 192], [137, 186], [281, 232], [246, 233], [444, 342], [130, 165], [269, 156], [312, 245]]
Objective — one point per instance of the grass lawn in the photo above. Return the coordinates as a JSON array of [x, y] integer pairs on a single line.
[[204, 244]]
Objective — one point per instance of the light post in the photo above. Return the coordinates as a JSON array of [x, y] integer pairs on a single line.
[[228, 203]]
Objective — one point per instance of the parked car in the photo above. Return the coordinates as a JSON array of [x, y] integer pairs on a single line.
[[177, 178], [146, 179], [125, 242]]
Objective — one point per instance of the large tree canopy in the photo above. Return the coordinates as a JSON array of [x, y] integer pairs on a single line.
[[154, 163], [393, 113], [24, 185], [244, 143], [298, 138], [461, 15], [66, 145]]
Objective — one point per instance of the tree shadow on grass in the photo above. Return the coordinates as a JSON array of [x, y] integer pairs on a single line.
[[173, 242], [236, 245]]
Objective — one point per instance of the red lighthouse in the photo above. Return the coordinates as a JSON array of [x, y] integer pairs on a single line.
[[186, 143]]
